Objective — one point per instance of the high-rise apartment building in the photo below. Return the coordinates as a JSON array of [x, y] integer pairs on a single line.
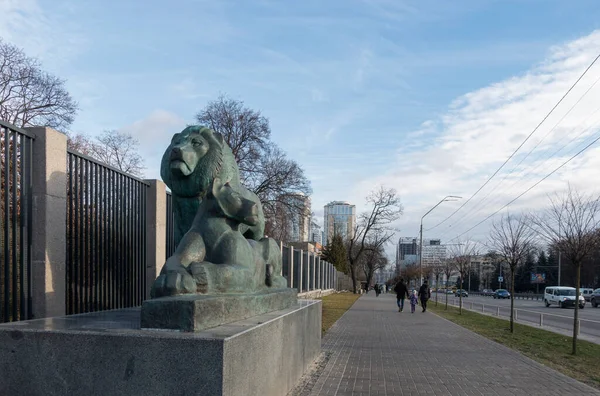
[[297, 217], [339, 218], [433, 251], [316, 235]]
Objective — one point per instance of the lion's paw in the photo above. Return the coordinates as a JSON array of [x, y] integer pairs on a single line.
[[201, 273], [173, 284]]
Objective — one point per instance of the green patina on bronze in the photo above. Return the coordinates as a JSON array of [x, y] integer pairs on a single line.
[[219, 224]]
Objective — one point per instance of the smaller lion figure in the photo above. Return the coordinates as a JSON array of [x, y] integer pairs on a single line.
[[219, 233]]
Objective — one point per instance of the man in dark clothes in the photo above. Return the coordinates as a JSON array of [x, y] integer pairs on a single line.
[[401, 292], [424, 295]]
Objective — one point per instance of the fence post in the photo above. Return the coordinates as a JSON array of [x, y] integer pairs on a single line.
[[156, 231], [49, 223]]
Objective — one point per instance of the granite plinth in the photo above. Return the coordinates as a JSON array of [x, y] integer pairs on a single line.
[[195, 312], [107, 353]]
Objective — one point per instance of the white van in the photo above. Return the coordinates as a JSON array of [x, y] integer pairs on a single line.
[[563, 296], [586, 292]]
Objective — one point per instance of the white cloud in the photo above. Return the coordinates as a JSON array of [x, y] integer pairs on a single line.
[[154, 134], [458, 152], [54, 37]]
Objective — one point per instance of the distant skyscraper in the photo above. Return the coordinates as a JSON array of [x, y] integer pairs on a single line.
[[299, 219], [339, 218], [316, 235]]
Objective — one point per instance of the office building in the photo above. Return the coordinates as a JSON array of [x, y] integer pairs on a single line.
[[339, 218], [316, 234], [297, 212]]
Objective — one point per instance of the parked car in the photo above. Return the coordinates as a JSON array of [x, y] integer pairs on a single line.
[[462, 292], [586, 292], [563, 296], [595, 298], [501, 293]]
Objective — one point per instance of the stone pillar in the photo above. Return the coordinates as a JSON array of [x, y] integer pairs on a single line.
[[308, 274], [313, 272], [300, 273], [49, 225], [320, 272], [281, 252], [291, 250], [156, 231], [333, 278]]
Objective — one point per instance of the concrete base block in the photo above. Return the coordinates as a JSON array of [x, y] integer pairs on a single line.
[[195, 312], [107, 353], [319, 293]]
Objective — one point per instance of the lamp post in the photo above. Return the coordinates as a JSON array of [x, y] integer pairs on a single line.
[[446, 198]]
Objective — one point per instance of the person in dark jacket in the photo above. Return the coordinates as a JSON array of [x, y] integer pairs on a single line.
[[401, 293], [424, 294]]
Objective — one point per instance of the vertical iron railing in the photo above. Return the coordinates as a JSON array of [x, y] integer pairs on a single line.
[[106, 237], [170, 227], [16, 151]]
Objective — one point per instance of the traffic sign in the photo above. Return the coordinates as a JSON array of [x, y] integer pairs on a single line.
[[500, 279]]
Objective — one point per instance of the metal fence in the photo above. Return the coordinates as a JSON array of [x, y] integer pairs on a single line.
[[306, 272], [170, 227], [16, 152], [106, 237]]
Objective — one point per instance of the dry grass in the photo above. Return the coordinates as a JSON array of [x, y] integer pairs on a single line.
[[548, 348], [334, 306]]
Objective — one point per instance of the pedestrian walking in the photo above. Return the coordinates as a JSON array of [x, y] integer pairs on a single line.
[[414, 300], [424, 294], [401, 293]]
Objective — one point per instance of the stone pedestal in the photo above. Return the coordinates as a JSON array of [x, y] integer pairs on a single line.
[[195, 312], [107, 353]]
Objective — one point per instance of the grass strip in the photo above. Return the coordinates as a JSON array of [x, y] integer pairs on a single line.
[[546, 347], [334, 306]]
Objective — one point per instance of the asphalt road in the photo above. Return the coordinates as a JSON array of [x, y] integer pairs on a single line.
[[531, 310]]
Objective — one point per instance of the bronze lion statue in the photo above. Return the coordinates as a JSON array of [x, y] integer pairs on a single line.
[[219, 224]]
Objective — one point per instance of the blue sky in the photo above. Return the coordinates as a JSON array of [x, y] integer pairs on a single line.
[[428, 97]]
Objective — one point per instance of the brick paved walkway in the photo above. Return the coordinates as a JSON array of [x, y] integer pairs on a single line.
[[376, 350]]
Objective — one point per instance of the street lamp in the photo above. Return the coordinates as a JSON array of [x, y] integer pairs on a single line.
[[446, 198]]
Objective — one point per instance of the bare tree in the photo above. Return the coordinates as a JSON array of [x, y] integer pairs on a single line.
[[29, 96], [373, 229], [246, 131], [120, 150], [437, 269], [264, 167], [448, 268], [571, 223], [373, 260], [513, 239], [115, 148], [80, 143], [461, 254]]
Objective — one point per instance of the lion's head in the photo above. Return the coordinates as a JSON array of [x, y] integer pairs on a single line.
[[192, 161]]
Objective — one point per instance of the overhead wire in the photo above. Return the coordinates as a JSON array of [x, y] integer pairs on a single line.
[[478, 205], [474, 212], [524, 141], [529, 189]]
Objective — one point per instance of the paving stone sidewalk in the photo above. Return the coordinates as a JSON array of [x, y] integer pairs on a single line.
[[376, 350]]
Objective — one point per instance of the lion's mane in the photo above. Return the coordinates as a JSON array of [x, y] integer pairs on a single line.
[[197, 184]]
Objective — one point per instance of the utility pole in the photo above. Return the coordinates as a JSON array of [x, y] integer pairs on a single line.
[[421, 253], [446, 198]]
